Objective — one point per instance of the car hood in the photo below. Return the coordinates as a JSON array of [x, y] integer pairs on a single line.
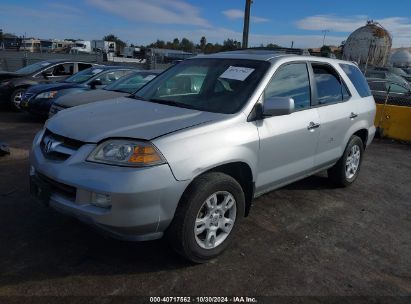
[[127, 118], [72, 100], [9, 75], [52, 87]]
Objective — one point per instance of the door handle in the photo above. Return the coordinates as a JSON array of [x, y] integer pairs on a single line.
[[353, 115], [313, 126]]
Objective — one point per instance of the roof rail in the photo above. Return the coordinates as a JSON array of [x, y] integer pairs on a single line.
[[277, 50]]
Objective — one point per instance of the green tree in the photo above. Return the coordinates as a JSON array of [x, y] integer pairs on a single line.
[[176, 44], [325, 49], [203, 43], [230, 45], [273, 45], [186, 45]]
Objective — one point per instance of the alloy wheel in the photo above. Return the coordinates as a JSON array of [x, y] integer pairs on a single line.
[[215, 220]]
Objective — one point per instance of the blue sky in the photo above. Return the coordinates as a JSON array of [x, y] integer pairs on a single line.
[[144, 21]]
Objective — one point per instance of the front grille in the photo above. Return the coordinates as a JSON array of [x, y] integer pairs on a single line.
[[57, 187], [57, 147]]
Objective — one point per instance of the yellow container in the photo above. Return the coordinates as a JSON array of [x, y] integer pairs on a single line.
[[395, 122]]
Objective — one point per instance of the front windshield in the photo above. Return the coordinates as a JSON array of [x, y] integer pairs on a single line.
[[399, 71], [207, 84], [33, 68], [84, 75], [132, 83]]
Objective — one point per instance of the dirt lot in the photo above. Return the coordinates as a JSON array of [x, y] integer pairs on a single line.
[[305, 239]]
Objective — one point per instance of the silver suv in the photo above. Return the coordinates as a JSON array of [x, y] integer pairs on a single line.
[[185, 156]]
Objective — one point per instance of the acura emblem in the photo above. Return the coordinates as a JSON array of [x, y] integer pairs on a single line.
[[50, 144]]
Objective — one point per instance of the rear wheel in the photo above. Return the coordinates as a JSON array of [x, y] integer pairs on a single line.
[[207, 217], [346, 170], [16, 97]]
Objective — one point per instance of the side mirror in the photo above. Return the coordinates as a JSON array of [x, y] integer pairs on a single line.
[[94, 83], [46, 74], [277, 106]]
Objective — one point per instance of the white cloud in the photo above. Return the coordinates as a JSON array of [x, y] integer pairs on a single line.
[[239, 14], [332, 23], [154, 11]]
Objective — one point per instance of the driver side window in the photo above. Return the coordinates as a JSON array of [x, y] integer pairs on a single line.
[[291, 80]]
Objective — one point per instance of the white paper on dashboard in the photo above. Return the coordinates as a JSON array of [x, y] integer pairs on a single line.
[[237, 73], [96, 71]]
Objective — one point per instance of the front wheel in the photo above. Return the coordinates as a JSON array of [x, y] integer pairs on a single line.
[[346, 170], [16, 97], [207, 217]]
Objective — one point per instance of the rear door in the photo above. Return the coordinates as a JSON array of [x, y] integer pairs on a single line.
[[288, 143], [336, 110]]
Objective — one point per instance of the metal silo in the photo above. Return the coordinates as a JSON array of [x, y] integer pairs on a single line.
[[369, 45]]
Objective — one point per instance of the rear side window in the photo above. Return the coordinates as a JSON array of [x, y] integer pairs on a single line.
[[357, 79], [395, 88], [83, 66], [330, 88]]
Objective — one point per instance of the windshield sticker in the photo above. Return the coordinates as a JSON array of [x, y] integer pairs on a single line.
[[96, 71], [237, 73], [149, 77]]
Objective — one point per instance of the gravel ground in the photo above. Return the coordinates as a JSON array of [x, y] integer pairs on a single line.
[[307, 239]]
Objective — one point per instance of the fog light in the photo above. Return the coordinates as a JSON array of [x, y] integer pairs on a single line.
[[32, 171], [101, 200]]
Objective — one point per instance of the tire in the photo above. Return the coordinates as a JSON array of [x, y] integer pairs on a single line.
[[14, 104], [346, 170], [193, 208]]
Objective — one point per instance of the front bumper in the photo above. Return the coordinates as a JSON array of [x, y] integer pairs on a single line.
[[40, 107], [143, 200]]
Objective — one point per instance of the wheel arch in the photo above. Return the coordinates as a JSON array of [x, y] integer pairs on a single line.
[[363, 134], [242, 173]]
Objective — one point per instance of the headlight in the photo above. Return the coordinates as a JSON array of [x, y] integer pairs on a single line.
[[126, 153], [47, 95]]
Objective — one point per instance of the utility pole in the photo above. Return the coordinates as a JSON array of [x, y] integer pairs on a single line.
[[325, 34], [246, 27]]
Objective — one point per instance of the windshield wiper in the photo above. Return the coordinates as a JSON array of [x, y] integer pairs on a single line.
[[137, 97], [171, 103]]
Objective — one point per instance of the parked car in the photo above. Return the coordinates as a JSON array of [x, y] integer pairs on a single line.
[[397, 71], [37, 99], [14, 84], [122, 87], [388, 76], [407, 70], [186, 162], [395, 93]]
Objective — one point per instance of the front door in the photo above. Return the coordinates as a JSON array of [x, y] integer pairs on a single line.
[[288, 143]]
